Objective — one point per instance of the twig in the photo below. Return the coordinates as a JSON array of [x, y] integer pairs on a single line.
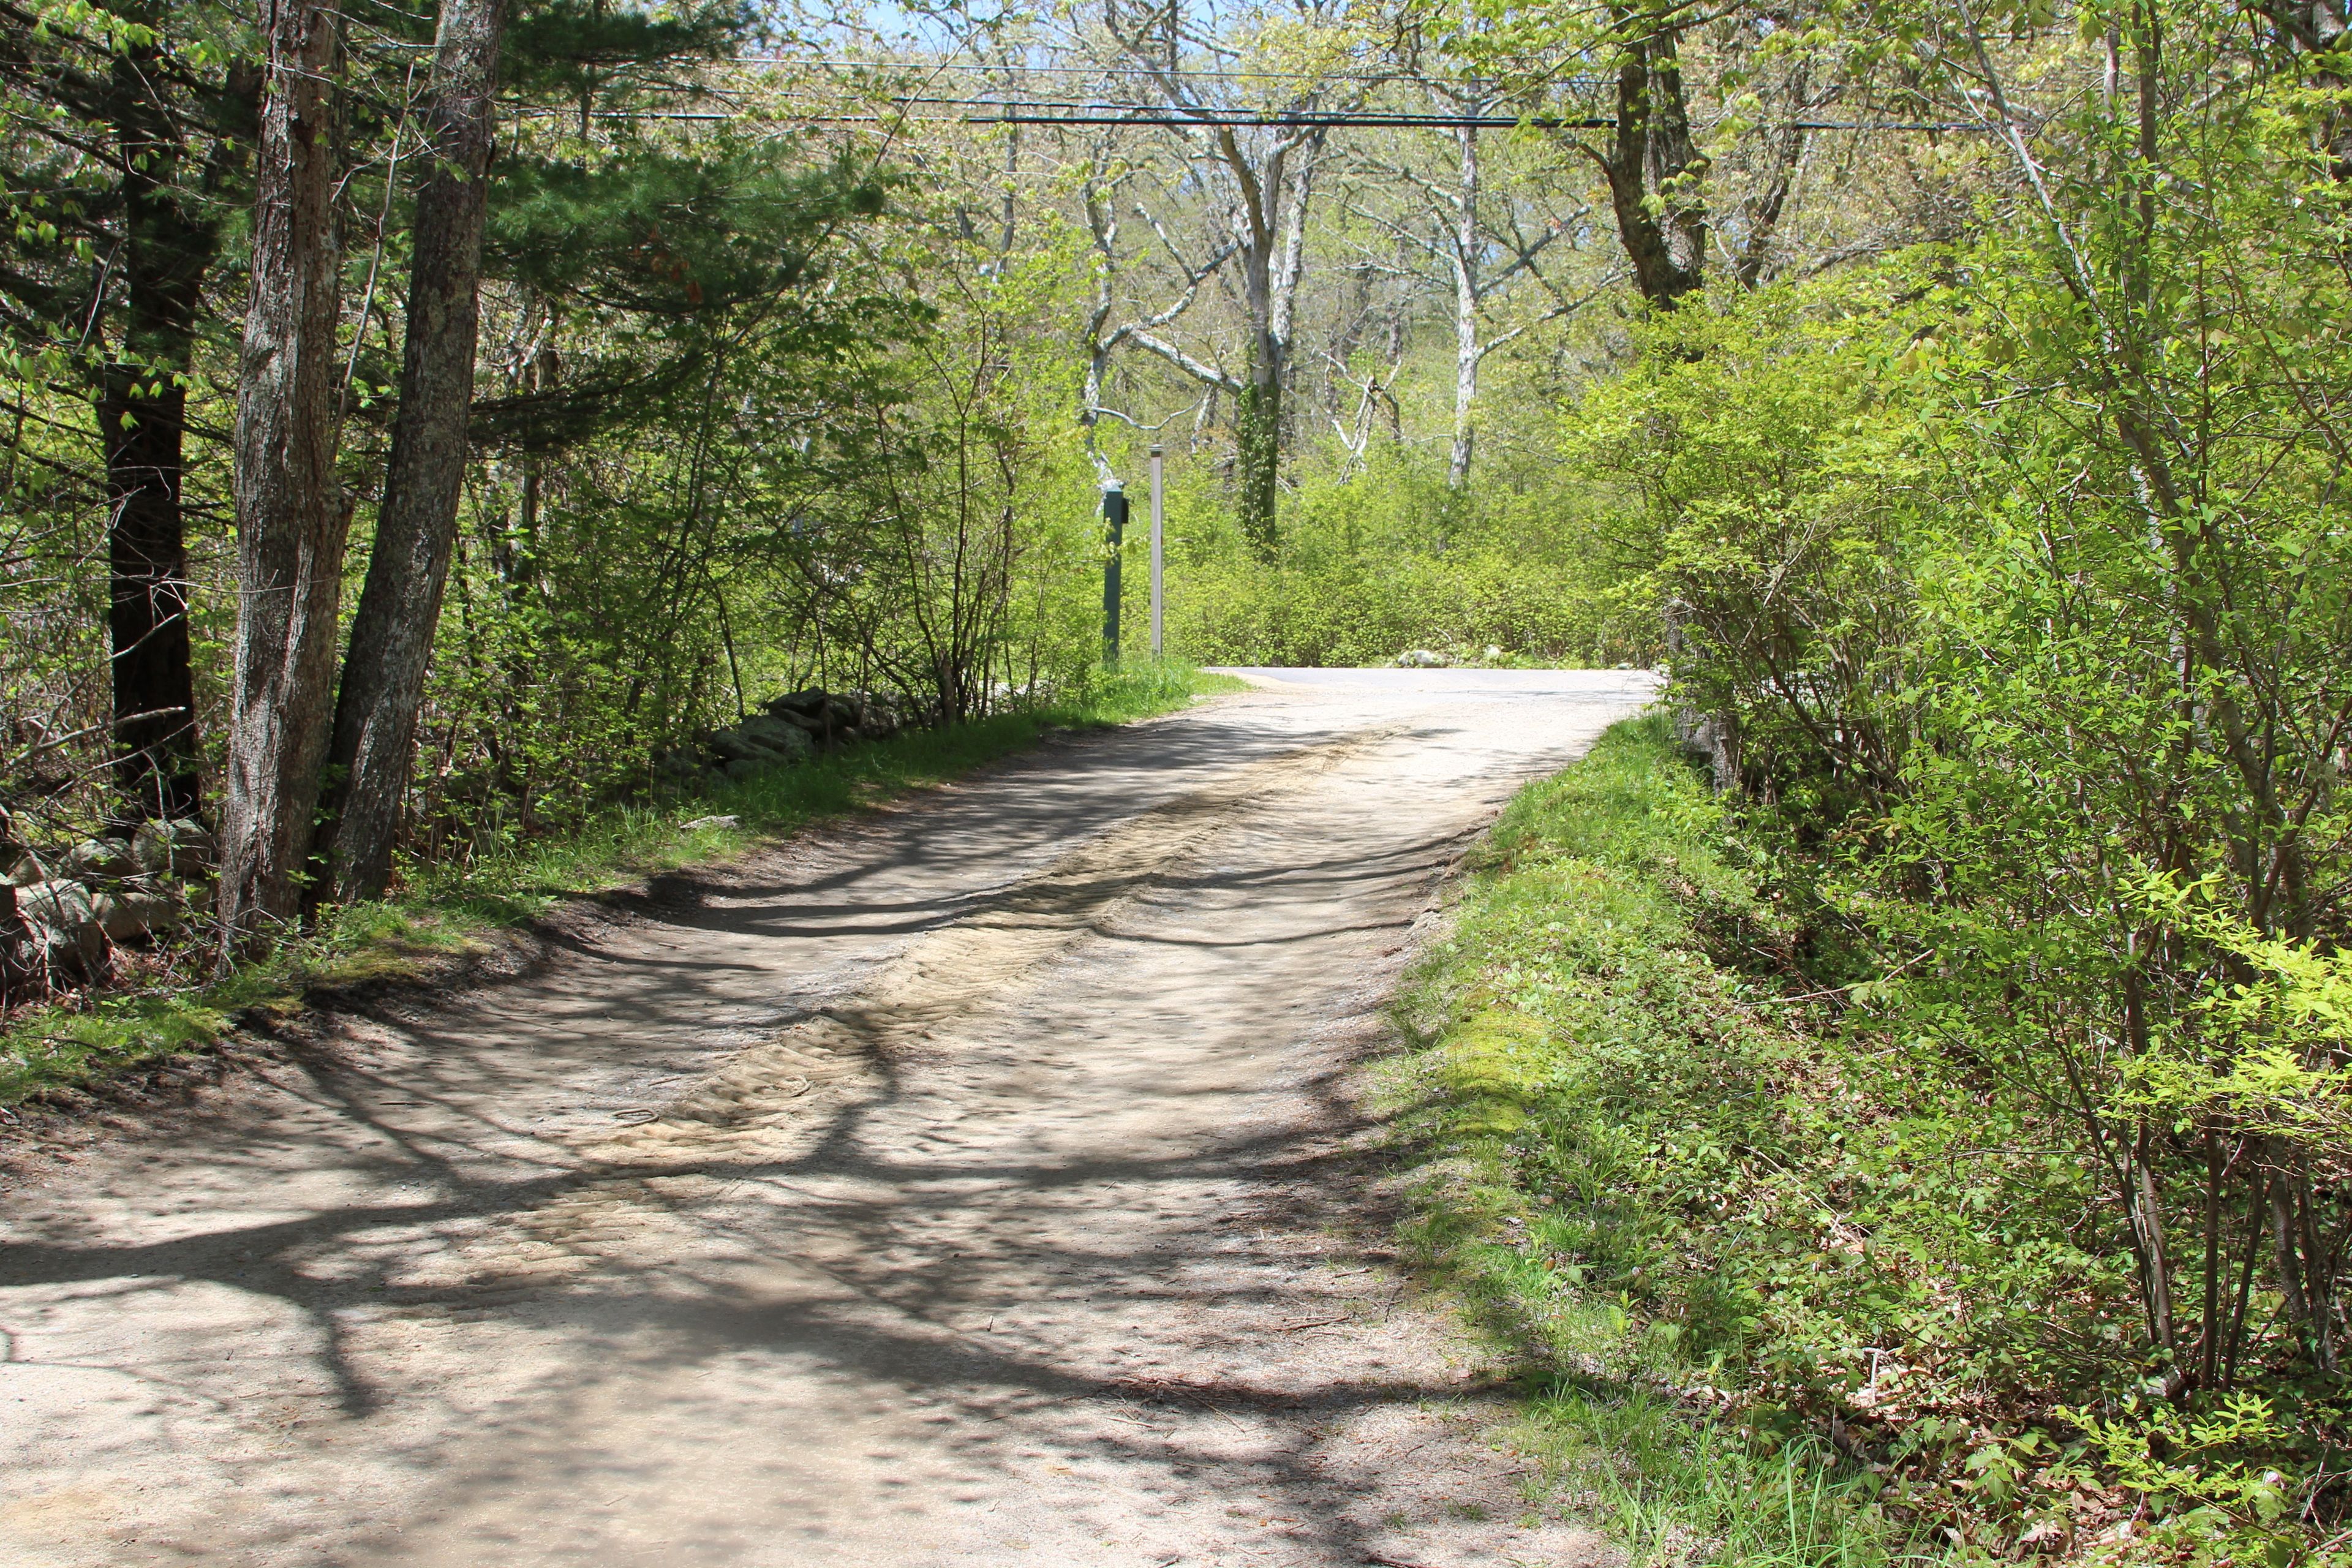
[[1841, 990]]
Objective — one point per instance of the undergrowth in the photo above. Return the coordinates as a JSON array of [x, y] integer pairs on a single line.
[[443, 913], [1783, 1291]]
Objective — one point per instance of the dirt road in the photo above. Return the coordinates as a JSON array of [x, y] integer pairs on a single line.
[[975, 1184]]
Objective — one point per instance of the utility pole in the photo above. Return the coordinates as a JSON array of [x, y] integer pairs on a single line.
[[1115, 516], [1157, 601]]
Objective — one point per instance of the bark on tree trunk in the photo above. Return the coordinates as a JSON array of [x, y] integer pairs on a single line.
[[142, 417], [291, 516], [1764, 216], [1273, 249], [1651, 154], [1258, 406], [147, 614], [1466, 354], [416, 523], [1259, 439], [2318, 29]]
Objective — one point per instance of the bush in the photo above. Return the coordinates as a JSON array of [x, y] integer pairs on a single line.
[[1667, 1164]]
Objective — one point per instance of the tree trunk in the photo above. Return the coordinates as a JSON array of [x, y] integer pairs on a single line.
[[1661, 221], [1466, 354], [2316, 30], [1764, 216], [141, 416], [291, 516], [416, 524], [1273, 250], [147, 613], [1259, 439]]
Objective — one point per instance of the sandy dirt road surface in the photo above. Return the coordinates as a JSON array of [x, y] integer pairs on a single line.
[[981, 1182]]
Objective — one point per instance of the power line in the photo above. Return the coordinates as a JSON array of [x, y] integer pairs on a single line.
[[1051, 112], [1163, 116], [1184, 74]]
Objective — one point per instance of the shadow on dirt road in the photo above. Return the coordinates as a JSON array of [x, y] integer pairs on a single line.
[[979, 1182]]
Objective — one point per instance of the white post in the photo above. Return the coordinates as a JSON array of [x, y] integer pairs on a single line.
[[1155, 552]]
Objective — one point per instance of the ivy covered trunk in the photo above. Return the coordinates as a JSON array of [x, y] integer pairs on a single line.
[[1259, 461]]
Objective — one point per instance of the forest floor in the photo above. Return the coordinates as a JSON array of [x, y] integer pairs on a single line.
[[989, 1179]]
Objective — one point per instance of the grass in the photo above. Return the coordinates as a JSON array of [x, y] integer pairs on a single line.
[[443, 914], [1575, 1043]]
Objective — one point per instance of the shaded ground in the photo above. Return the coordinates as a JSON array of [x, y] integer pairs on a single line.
[[972, 1185]]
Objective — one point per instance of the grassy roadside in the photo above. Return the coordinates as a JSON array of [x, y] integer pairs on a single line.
[[1583, 1067], [444, 914]]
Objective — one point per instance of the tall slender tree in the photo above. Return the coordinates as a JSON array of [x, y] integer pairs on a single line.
[[416, 522], [1270, 174], [133, 157], [291, 518], [170, 235]]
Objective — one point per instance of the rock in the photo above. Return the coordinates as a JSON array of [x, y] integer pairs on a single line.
[[25, 870], [808, 703], [746, 767], [788, 741], [127, 914], [99, 860], [1421, 658], [1493, 652], [730, 747], [679, 763], [880, 717], [829, 717], [700, 822], [1707, 737], [762, 741], [61, 901], [180, 847], [16, 962], [64, 927]]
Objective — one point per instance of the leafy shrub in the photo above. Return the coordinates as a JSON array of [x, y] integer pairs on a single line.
[[1659, 1156]]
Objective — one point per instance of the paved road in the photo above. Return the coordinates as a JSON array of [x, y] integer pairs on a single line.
[[981, 1183]]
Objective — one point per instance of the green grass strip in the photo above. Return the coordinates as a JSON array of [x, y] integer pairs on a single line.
[[1579, 1055]]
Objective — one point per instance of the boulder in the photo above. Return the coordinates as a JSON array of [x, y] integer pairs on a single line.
[[129, 914], [58, 915], [99, 860], [878, 715], [730, 747], [180, 847], [807, 703], [16, 962], [679, 763], [25, 868], [1421, 658], [745, 767], [702, 822], [830, 717], [787, 740]]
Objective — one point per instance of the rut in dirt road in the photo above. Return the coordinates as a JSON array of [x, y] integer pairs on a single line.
[[984, 1182]]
